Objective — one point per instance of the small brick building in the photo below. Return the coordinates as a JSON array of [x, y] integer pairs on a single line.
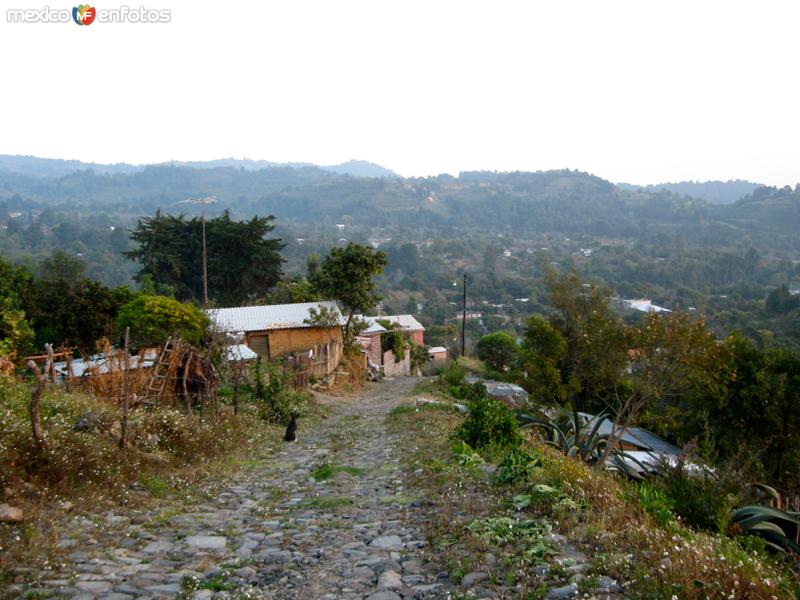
[[406, 323], [281, 330]]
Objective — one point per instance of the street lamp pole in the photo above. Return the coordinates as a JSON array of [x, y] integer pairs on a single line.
[[202, 202], [205, 254], [464, 317]]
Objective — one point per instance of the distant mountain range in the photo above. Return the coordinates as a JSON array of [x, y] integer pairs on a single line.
[[713, 192], [517, 204], [53, 167]]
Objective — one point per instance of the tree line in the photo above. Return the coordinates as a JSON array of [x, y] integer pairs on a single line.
[[730, 400]]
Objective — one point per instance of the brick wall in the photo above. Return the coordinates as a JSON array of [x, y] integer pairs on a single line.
[[392, 368], [372, 346], [326, 343]]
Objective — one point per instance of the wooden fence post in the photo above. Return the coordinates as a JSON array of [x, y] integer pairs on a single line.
[[123, 430]]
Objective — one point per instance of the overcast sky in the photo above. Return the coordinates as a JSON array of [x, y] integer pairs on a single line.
[[637, 91]]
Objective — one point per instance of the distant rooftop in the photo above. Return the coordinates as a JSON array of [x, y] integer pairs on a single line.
[[645, 305], [407, 322]]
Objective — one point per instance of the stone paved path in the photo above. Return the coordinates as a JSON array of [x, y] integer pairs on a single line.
[[273, 531]]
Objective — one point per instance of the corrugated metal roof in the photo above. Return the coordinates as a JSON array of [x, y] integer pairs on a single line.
[[374, 328], [635, 436], [263, 318], [407, 322], [240, 352]]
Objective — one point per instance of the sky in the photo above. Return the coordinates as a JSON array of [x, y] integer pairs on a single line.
[[630, 90]]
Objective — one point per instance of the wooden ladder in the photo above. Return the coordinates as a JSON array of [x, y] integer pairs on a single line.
[[161, 372]]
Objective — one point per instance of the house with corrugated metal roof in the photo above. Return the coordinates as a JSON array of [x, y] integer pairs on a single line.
[[283, 330], [406, 323]]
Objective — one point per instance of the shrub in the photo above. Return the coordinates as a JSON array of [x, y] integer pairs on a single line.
[[73, 460], [656, 504], [517, 465], [700, 500], [153, 319], [490, 422], [498, 350], [275, 402], [454, 374], [452, 379]]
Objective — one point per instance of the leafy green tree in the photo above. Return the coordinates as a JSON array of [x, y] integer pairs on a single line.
[[291, 291], [348, 275], [153, 319], [596, 344], [543, 349], [780, 301], [498, 350], [243, 264], [75, 313], [15, 282], [754, 414], [670, 357], [15, 333], [62, 267]]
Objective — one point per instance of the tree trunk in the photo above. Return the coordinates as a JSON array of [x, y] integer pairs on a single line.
[[186, 398], [124, 425], [36, 420], [239, 369]]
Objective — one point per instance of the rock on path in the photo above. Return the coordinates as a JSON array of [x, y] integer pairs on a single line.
[[272, 532]]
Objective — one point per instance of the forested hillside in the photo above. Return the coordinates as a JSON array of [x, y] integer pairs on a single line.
[[713, 192], [722, 260]]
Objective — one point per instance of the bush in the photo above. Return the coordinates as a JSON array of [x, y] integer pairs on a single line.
[[274, 400], [153, 319], [656, 504], [73, 460], [498, 350], [517, 465], [454, 374], [490, 422], [699, 499], [452, 379]]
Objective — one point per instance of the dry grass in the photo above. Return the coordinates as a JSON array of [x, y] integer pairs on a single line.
[[597, 511], [88, 471]]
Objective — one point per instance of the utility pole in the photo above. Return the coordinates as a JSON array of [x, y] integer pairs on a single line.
[[464, 317], [202, 202]]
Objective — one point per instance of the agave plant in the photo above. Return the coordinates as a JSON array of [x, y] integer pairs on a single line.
[[584, 441], [572, 437], [779, 528]]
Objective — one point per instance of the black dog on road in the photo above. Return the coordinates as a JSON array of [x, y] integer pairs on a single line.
[[291, 429]]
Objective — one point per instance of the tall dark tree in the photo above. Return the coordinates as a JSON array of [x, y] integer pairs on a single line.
[[66, 307], [243, 263]]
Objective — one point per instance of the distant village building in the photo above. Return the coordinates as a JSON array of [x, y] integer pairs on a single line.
[[370, 341], [282, 330], [437, 353], [406, 323], [645, 305]]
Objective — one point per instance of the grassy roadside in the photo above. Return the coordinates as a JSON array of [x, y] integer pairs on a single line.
[[172, 462], [504, 515]]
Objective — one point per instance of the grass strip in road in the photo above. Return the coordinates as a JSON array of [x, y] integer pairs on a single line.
[[327, 471]]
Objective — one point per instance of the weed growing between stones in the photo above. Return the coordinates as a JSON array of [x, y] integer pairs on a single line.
[[327, 471]]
